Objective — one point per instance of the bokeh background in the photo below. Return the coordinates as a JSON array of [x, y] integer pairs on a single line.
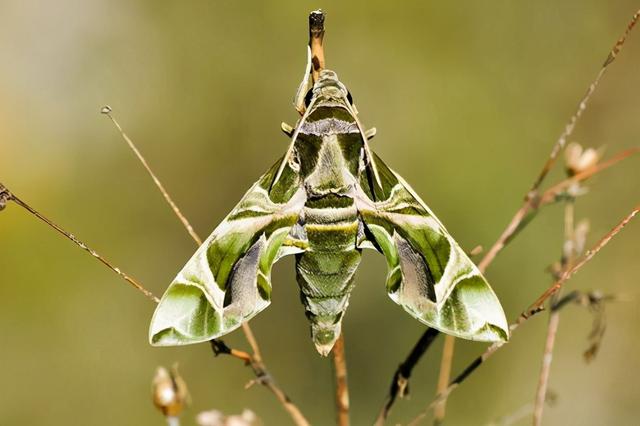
[[467, 99]]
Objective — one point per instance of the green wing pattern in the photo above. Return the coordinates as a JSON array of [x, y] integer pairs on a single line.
[[430, 276], [227, 281]]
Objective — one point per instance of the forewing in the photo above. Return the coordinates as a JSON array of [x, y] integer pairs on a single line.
[[227, 281], [430, 276]]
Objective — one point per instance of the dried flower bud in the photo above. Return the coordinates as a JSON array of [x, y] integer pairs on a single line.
[[578, 159], [170, 392]]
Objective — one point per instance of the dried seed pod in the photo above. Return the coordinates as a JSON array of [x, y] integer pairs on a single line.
[[169, 391]]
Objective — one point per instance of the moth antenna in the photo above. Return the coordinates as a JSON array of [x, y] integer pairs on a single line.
[[369, 134], [304, 86], [287, 129]]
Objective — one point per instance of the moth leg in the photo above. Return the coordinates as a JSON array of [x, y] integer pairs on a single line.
[[287, 129]]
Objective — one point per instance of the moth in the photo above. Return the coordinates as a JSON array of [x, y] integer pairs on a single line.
[[328, 198]]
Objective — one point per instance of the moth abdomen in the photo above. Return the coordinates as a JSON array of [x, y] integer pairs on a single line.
[[326, 270]]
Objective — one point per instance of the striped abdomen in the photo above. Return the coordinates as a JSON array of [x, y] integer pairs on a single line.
[[326, 270]]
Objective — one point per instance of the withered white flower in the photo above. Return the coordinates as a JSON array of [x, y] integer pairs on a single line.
[[578, 159]]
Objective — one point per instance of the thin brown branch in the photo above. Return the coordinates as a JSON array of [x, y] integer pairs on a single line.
[[444, 376], [342, 388], [535, 308], [532, 195], [251, 339], [551, 195], [554, 316], [587, 257], [316, 38], [582, 106], [517, 224], [7, 195], [255, 360], [400, 382], [106, 110], [262, 377]]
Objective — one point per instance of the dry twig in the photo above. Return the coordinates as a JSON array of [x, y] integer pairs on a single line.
[[400, 382], [316, 37], [255, 360], [522, 218], [531, 198], [106, 110], [554, 316], [535, 308], [342, 388], [7, 195]]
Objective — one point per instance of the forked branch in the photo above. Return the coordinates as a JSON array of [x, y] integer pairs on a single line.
[[219, 347], [519, 222], [536, 307], [521, 216]]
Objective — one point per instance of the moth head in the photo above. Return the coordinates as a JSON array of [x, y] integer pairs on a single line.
[[328, 91]]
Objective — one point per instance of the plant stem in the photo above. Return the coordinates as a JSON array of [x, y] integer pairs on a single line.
[[554, 316], [400, 383], [444, 377], [255, 360], [533, 309], [342, 388], [8, 195], [531, 196]]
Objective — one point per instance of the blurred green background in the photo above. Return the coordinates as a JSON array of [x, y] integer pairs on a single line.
[[467, 99]]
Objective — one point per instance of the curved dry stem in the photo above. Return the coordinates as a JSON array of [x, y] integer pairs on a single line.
[[254, 360], [9, 196], [532, 195], [533, 309], [400, 383], [554, 315], [106, 110]]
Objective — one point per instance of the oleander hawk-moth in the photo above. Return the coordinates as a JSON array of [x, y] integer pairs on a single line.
[[328, 198]]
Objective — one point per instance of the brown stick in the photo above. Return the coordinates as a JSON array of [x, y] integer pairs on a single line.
[[520, 215], [444, 376], [316, 38], [262, 377], [400, 383], [554, 316], [7, 195], [255, 360], [582, 106], [516, 225], [342, 388], [106, 110], [533, 309]]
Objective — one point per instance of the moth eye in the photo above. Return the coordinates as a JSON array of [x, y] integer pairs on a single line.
[[308, 97], [349, 98]]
